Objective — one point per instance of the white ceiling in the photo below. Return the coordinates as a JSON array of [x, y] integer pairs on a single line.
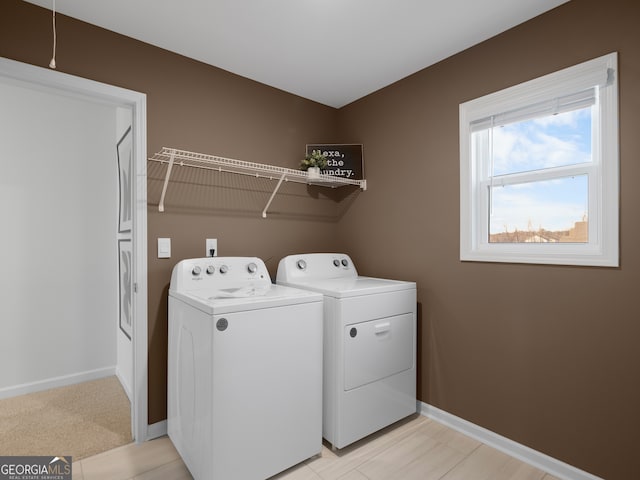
[[329, 51]]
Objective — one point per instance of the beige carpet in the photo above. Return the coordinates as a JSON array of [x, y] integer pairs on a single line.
[[78, 420]]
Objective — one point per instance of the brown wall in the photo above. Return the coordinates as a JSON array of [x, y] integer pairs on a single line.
[[544, 355]]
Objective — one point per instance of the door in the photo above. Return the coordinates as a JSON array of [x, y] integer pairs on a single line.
[[56, 250], [377, 349]]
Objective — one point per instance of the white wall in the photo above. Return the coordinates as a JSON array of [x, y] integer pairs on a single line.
[[58, 255]]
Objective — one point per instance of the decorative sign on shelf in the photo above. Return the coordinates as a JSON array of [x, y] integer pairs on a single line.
[[343, 160]]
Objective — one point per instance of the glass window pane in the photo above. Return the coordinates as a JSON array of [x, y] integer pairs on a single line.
[[545, 142], [546, 211]]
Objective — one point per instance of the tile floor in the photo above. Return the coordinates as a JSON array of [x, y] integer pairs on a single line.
[[417, 448]]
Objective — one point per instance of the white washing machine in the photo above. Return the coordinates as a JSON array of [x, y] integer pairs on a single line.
[[369, 344], [244, 370]]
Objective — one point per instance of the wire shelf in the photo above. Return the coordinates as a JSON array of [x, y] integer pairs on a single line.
[[183, 158]]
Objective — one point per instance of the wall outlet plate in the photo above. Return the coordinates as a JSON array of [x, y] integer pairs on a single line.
[[211, 244]]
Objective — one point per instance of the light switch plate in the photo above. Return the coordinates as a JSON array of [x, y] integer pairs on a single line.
[[164, 248]]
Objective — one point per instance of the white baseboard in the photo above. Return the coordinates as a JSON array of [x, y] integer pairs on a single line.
[[155, 430], [56, 382], [537, 459], [124, 384]]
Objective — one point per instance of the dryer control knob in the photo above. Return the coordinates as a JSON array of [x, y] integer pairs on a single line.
[[210, 270], [345, 262], [336, 262], [252, 268], [196, 271], [224, 269], [301, 264]]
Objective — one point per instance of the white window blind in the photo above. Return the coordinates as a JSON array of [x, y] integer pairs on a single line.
[[566, 103]]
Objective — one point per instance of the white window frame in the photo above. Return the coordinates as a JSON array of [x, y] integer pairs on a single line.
[[602, 247]]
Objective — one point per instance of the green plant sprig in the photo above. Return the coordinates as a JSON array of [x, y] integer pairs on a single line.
[[314, 159]]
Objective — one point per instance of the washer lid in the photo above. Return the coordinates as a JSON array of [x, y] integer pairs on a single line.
[[352, 287], [215, 302]]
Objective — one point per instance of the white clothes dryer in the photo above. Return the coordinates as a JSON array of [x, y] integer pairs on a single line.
[[369, 344], [244, 370]]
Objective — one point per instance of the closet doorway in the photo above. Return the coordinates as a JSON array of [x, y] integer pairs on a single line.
[[65, 145]]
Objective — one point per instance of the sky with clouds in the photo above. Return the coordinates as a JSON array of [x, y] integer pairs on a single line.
[[537, 144]]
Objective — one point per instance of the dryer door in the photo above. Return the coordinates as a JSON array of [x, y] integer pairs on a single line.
[[377, 349]]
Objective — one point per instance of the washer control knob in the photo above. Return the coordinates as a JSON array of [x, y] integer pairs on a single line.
[[345, 262], [301, 264], [336, 262], [224, 269], [196, 271], [211, 269], [252, 268]]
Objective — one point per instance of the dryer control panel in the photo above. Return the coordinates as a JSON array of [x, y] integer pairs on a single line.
[[315, 266], [219, 273]]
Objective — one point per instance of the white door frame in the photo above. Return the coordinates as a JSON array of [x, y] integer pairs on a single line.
[[77, 87]]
